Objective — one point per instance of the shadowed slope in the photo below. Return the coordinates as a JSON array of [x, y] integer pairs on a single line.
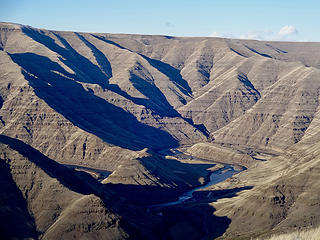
[[146, 75], [93, 114], [62, 203], [154, 99], [172, 73], [13, 208], [55, 170]]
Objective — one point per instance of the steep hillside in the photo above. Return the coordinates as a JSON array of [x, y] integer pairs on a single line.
[[43, 199], [153, 91], [111, 106]]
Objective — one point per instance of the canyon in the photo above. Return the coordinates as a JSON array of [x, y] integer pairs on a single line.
[[95, 128]]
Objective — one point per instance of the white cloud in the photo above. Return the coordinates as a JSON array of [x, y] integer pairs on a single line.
[[251, 35], [215, 34], [220, 35], [286, 33], [288, 30], [257, 35]]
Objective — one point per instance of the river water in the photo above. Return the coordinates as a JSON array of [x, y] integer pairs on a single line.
[[217, 176]]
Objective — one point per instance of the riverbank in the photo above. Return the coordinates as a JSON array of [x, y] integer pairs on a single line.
[[218, 173]]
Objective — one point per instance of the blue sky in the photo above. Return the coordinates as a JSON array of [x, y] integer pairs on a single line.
[[295, 20]]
